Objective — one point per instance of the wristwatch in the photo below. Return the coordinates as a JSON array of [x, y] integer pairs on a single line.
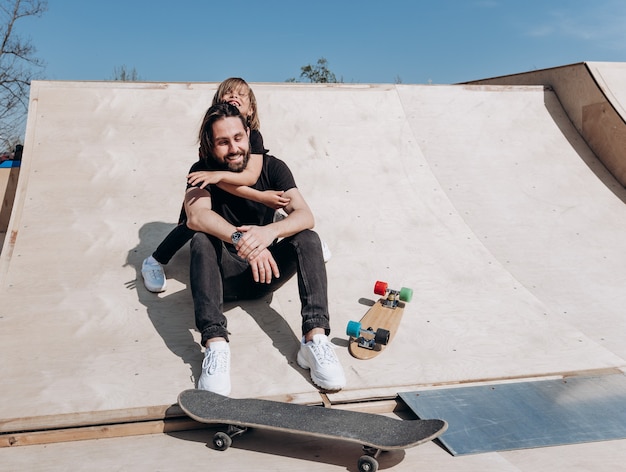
[[235, 237]]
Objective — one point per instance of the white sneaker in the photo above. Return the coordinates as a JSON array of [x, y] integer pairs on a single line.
[[326, 252], [215, 376], [319, 356], [153, 275]]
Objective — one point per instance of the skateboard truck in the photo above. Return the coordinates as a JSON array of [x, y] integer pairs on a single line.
[[367, 338], [393, 296]]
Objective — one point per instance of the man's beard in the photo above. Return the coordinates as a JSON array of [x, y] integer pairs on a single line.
[[232, 166]]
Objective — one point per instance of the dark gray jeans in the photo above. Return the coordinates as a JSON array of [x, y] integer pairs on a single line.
[[217, 275]]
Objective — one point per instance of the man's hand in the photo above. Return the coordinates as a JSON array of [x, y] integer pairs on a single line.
[[254, 240], [253, 247], [263, 267]]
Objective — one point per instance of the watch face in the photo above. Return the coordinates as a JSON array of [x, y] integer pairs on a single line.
[[236, 236]]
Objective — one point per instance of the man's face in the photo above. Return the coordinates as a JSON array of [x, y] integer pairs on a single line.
[[231, 144]]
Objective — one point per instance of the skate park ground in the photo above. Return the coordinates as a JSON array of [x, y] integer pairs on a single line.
[[499, 202]]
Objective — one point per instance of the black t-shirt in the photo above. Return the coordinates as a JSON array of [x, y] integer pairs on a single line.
[[256, 143], [275, 175]]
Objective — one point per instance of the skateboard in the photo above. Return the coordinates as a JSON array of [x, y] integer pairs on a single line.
[[374, 432], [382, 321]]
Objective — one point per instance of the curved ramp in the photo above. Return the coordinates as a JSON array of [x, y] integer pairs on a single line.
[[485, 200], [593, 95]]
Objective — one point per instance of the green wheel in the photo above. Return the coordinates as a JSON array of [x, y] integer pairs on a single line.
[[406, 294], [353, 329]]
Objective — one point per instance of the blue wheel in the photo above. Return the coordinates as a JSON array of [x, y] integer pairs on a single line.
[[353, 329]]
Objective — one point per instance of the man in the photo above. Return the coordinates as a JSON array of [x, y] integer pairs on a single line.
[[240, 252]]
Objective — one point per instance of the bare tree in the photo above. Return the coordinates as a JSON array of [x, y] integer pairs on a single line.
[[17, 68], [121, 73]]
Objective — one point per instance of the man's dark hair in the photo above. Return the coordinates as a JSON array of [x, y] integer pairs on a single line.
[[213, 114]]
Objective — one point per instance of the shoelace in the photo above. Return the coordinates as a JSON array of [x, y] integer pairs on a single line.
[[324, 353], [151, 268], [216, 362], [154, 273]]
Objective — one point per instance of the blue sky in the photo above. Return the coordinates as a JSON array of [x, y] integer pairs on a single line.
[[365, 41]]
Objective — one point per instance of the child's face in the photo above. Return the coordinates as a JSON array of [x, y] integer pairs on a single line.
[[240, 98]]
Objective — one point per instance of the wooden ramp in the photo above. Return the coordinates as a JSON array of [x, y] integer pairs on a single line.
[[593, 94], [484, 199]]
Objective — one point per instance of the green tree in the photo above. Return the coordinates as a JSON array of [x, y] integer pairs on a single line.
[[317, 73], [18, 66]]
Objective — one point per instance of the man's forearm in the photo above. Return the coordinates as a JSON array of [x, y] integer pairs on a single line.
[[296, 221], [213, 224], [300, 216], [201, 217]]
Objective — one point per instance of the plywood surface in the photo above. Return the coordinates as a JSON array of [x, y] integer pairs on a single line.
[[486, 202]]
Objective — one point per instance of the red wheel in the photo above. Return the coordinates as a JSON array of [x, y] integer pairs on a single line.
[[380, 288]]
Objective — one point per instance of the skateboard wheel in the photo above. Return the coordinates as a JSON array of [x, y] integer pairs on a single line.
[[406, 294], [222, 441], [353, 329], [367, 464], [380, 288], [382, 336]]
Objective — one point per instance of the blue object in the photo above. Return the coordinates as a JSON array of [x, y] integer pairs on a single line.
[[9, 164], [526, 414], [353, 329]]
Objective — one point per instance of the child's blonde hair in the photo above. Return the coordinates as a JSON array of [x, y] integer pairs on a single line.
[[239, 85]]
